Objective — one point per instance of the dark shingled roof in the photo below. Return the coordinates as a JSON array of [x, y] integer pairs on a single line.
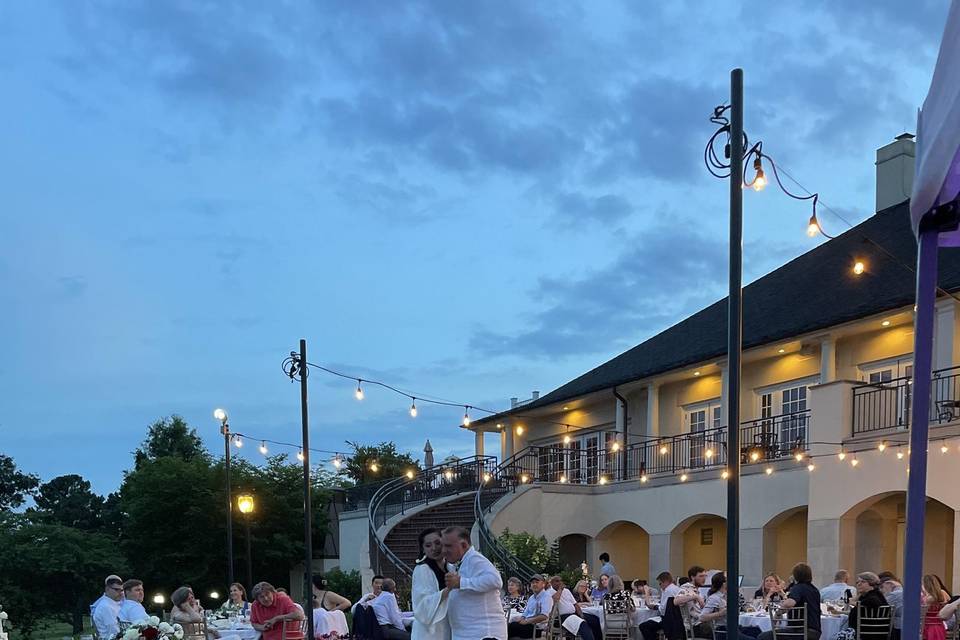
[[814, 291]]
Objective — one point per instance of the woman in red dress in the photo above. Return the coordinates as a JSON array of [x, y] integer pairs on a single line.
[[934, 597]]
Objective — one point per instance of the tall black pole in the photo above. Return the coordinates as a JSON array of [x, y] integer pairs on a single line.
[[249, 556], [225, 430], [734, 318], [307, 509]]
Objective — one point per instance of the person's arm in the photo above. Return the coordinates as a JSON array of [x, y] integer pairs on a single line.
[[339, 602], [949, 609], [713, 615], [393, 612], [485, 577]]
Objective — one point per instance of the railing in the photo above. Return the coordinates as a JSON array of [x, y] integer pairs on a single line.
[[886, 405], [399, 494], [773, 438]]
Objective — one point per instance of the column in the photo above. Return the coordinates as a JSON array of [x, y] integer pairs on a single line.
[[752, 556], [478, 442], [653, 410], [507, 441], [823, 548], [828, 360], [944, 355], [659, 553]]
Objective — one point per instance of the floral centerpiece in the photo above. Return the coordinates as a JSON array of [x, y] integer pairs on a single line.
[[151, 629]]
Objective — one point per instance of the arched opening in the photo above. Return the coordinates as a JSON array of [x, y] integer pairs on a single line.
[[701, 540], [573, 550], [785, 541], [872, 536], [629, 547]]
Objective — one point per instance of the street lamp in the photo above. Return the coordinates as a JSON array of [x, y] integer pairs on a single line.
[[221, 416], [159, 600], [245, 504]]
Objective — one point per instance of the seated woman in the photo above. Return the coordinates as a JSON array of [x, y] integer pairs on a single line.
[[868, 596], [237, 603], [581, 592], [714, 610], [326, 599], [186, 611], [514, 598], [617, 599], [771, 590], [328, 624], [602, 588]]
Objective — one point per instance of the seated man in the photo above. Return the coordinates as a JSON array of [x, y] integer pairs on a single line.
[[388, 612], [131, 610], [537, 611], [568, 606], [668, 589], [270, 611], [107, 608], [376, 583]]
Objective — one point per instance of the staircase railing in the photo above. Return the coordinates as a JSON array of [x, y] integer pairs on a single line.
[[516, 470], [399, 494]]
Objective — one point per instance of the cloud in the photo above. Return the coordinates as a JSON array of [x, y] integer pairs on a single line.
[[661, 275], [573, 208]]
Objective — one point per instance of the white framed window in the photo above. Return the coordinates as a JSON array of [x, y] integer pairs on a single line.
[[783, 411], [700, 417], [883, 371]]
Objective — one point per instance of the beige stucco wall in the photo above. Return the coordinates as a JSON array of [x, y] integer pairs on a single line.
[[712, 556], [773, 371], [871, 346], [676, 395], [629, 549]]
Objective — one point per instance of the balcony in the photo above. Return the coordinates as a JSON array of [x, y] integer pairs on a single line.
[[767, 439], [886, 405]]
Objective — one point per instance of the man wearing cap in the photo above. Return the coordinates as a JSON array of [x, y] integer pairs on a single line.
[[105, 610], [538, 610]]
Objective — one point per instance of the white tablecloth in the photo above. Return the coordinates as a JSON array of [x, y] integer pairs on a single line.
[[239, 631], [328, 621], [638, 617], [830, 625]]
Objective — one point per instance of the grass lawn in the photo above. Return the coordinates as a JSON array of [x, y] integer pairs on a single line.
[[53, 630]]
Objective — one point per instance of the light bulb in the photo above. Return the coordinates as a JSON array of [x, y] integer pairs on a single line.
[[448, 474], [842, 455], [683, 477], [754, 455], [858, 267], [725, 474], [519, 429], [524, 478], [899, 455], [798, 456], [603, 479], [158, 599], [486, 477], [337, 463], [237, 441], [616, 446], [563, 478], [882, 447], [813, 227], [374, 467], [409, 474], [413, 409], [811, 467], [466, 416], [769, 471], [358, 394], [643, 477], [663, 449], [759, 180], [944, 448], [214, 595], [220, 415], [566, 439], [300, 456], [263, 447], [854, 462], [708, 453]]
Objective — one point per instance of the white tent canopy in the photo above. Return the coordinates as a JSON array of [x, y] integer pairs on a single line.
[[937, 179]]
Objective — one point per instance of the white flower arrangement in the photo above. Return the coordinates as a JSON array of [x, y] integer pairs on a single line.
[[151, 629]]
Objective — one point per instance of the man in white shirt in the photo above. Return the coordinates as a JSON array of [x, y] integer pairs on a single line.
[[107, 608], [840, 588], [473, 611], [539, 605], [365, 600], [567, 606], [131, 609], [388, 612], [668, 589]]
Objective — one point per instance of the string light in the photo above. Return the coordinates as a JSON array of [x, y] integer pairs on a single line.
[[359, 392], [519, 429], [882, 446], [811, 467], [337, 461], [663, 449], [263, 447], [466, 416], [708, 453], [643, 478], [683, 477], [237, 441], [448, 474], [409, 474], [374, 467], [725, 474], [853, 461], [798, 456], [769, 471], [944, 448], [842, 455], [603, 479], [759, 180], [413, 408], [899, 453], [524, 478], [563, 478], [566, 439], [300, 455], [858, 267], [486, 477], [754, 455]]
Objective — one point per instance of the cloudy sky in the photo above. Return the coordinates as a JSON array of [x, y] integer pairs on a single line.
[[469, 200]]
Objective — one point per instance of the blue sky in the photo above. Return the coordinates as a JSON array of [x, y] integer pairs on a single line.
[[466, 199]]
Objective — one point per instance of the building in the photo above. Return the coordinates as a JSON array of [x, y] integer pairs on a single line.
[[628, 457]]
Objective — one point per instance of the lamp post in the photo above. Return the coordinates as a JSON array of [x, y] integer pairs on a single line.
[[221, 415], [159, 600], [245, 504]]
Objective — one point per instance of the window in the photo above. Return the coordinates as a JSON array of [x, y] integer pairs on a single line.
[[894, 378], [783, 415], [887, 370], [706, 536], [701, 417]]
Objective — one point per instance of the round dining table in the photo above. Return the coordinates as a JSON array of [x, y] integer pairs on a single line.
[[829, 625]]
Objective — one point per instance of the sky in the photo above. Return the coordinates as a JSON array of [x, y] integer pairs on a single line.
[[467, 200]]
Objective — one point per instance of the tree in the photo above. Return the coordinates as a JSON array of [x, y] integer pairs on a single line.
[[389, 462], [171, 437], [52, 570], [532, 550], [68, 500], [15, 485]]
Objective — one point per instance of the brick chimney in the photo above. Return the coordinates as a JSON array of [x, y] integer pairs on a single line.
[[895, 171]]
